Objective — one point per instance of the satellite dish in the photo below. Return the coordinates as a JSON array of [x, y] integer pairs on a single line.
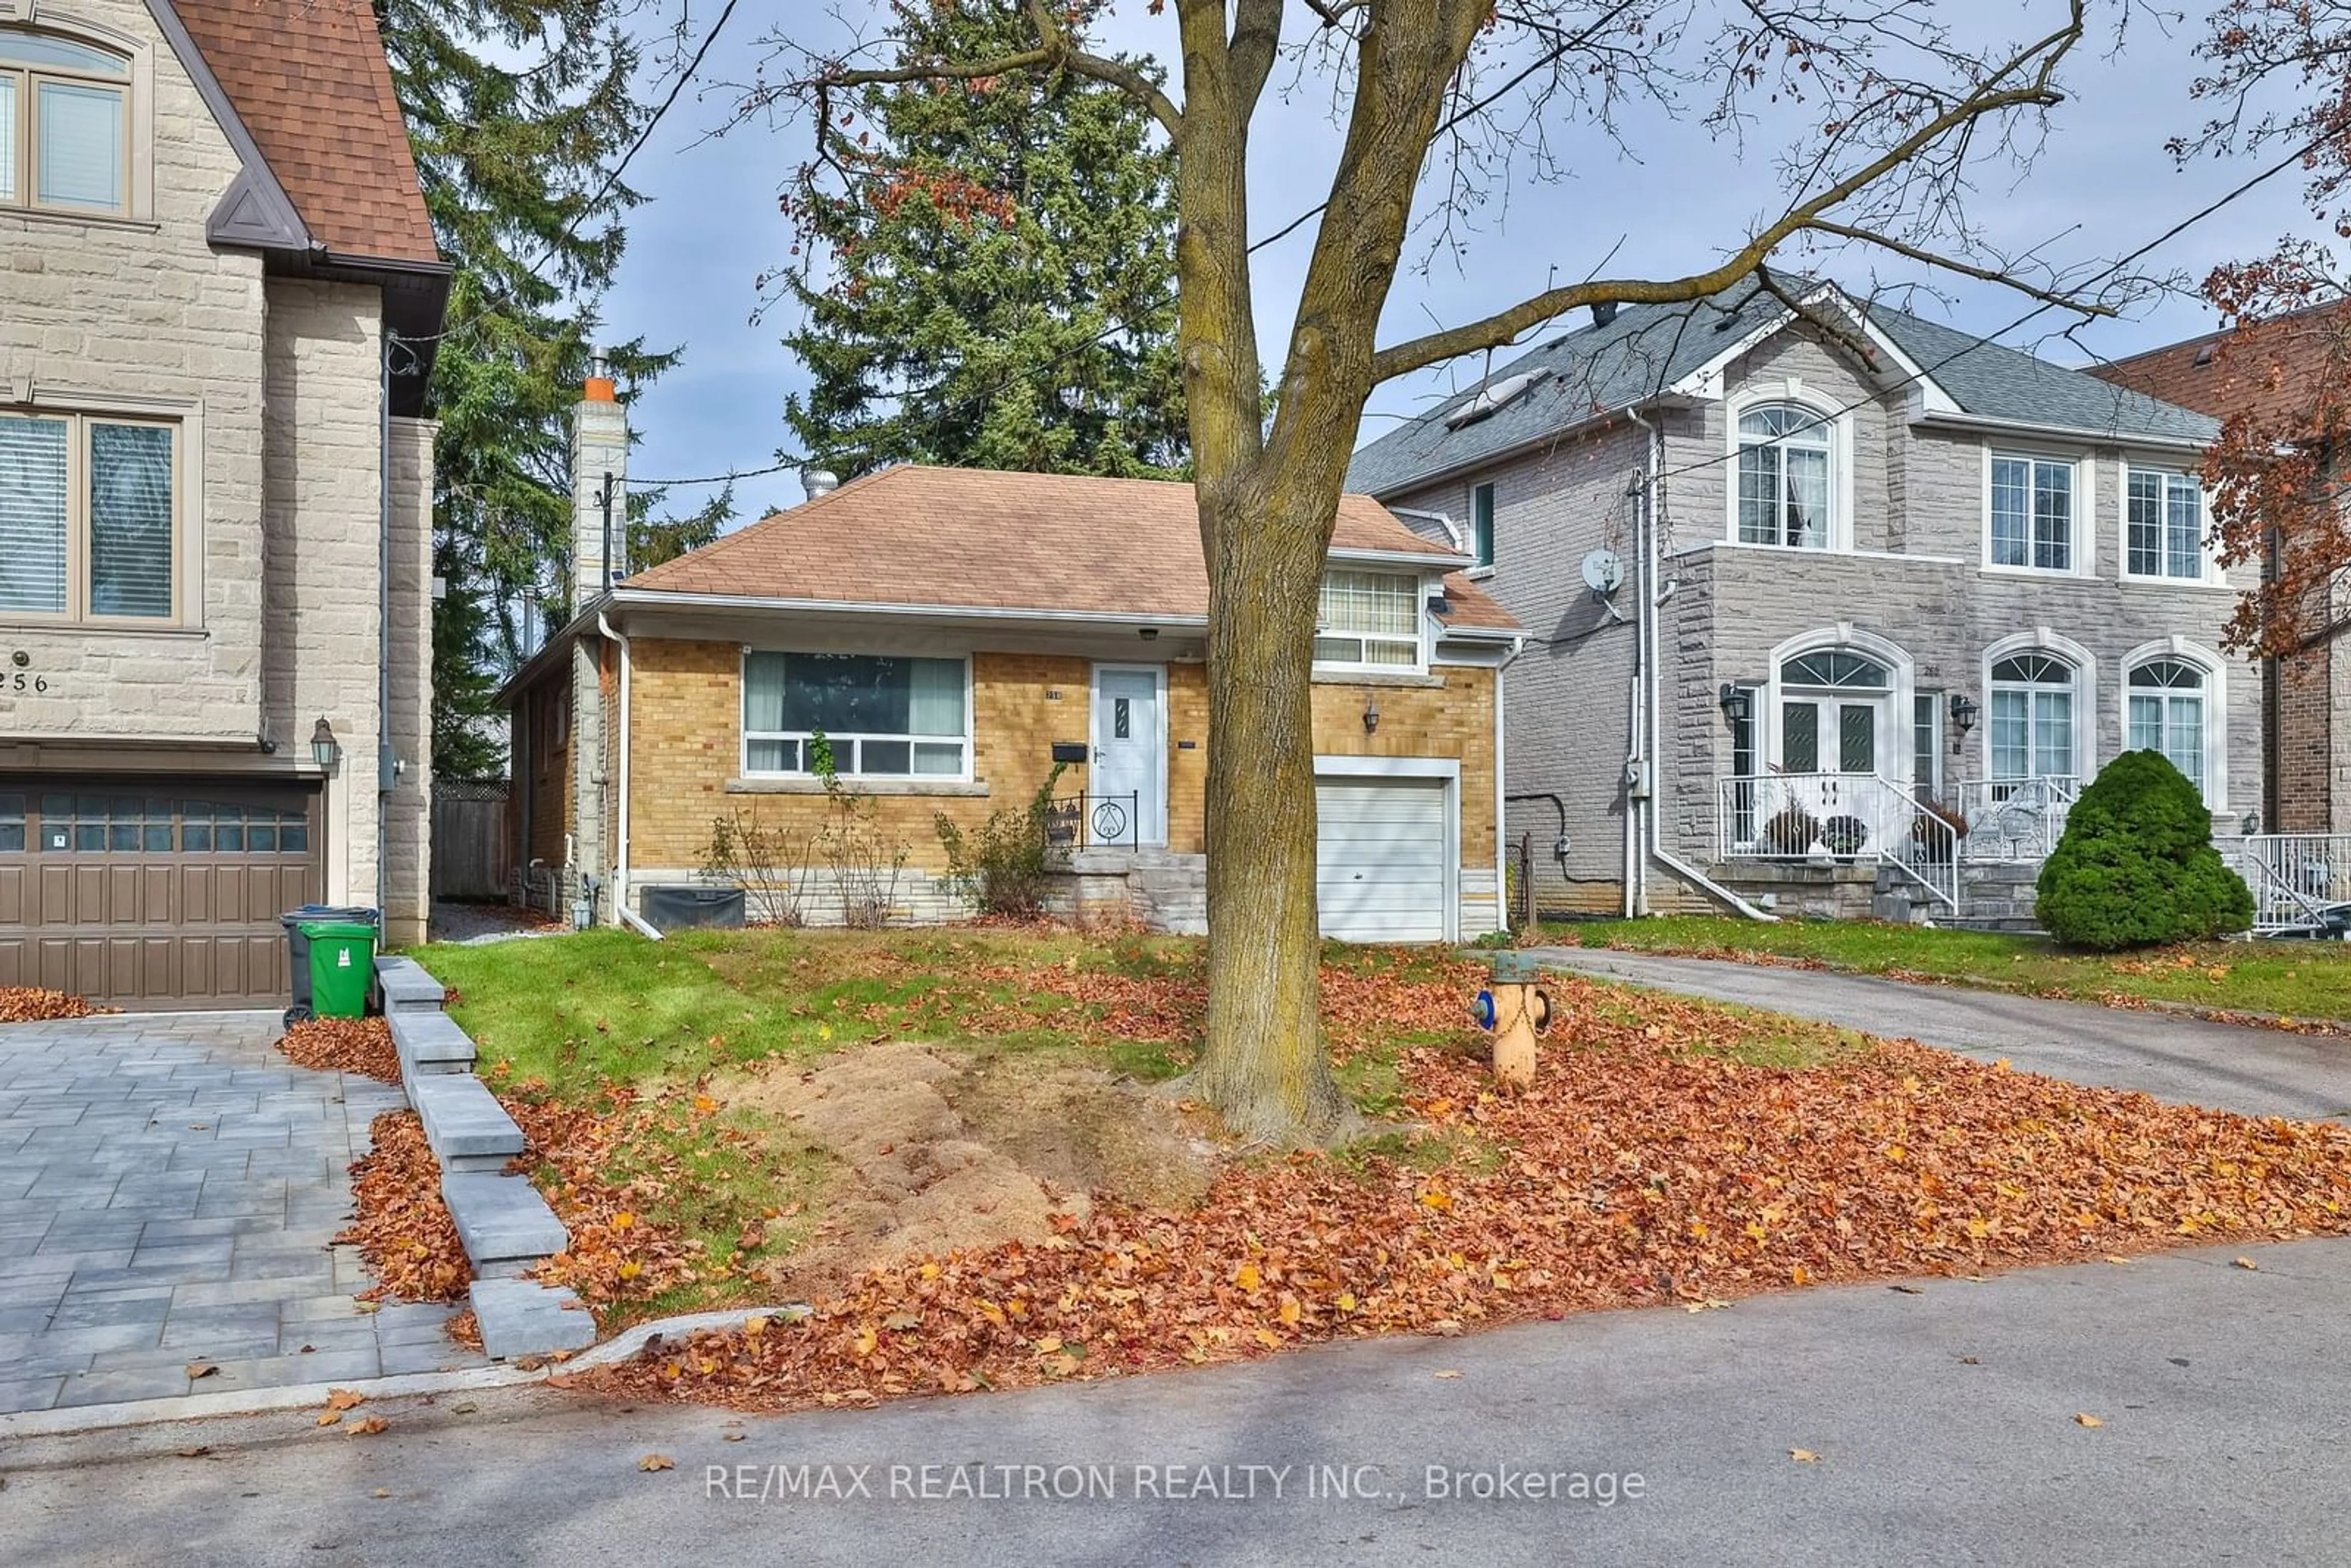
[[1604, 572]]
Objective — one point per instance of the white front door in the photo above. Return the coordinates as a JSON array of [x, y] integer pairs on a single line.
[[1127, 789]]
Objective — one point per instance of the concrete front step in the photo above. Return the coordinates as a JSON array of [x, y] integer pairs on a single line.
[[522, 1317], [407, 989], [506, 1226], [429, 1043], [463, 1123]]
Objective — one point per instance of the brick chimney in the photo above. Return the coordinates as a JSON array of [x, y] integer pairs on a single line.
[[600, 512], [600, 487]]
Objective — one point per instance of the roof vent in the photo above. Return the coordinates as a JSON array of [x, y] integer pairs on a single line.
[[819, 482], [2204, 356], [1491, 398], [1603, 312]]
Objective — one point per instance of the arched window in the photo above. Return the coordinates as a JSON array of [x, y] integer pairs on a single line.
[[1784, 479], [2032, 717], [2167, 713], [1836, 669], [64, 124]]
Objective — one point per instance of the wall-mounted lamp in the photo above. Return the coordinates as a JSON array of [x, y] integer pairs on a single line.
[[1371, 714], [1149, 634], [325, 749], [1738, 705], [1963, 712]]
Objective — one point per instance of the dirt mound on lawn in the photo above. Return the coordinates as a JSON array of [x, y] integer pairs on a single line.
[[947, 1152]]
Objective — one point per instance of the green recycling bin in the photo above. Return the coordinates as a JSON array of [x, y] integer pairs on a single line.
[[342, 966]]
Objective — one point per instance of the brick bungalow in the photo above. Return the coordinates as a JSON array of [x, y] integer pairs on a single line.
[[952, 632]]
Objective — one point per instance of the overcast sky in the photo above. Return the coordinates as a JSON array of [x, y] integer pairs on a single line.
[[2103, 186]]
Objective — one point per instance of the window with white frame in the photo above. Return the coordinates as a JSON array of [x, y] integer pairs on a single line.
[[882, 716], [88, 517], [1370, 619], [2167, 713], [64, 124], [1785, 476], [2031, 718], [2165, 525], [1481, 524], [2032, 513]]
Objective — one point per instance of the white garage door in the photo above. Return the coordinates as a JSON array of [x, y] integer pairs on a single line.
[[1381, 859]]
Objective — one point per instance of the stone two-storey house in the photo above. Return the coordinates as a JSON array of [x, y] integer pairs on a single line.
[[1828, 611], [218, 295]]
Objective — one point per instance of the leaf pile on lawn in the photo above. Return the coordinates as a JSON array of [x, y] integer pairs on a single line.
[[399, 1223], [362, 1046], [615, 1257], [1642, 1169], [32, 1004]]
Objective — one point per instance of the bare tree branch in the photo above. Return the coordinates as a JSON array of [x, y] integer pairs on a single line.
[[2037, 62]]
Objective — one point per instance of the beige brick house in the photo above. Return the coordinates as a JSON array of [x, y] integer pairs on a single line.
[[1835, 612], [218, 295], [951, 633]]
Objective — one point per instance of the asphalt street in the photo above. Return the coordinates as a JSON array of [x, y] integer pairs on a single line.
[[1942, 1425]]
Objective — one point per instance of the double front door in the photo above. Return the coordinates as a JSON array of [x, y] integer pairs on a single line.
[[1829, 733]]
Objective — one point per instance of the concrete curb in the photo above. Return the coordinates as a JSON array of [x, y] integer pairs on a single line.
[[55, 1423]]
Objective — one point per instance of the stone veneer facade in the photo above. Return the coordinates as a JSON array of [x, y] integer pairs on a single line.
[[277, 386], [1910, 576]]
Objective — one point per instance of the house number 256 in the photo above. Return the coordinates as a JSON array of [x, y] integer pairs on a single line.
[[19, 681]]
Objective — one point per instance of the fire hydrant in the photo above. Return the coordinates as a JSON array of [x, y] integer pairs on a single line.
[[1516, 1009]]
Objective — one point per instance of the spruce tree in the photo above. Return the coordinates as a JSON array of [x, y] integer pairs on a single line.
[[993, 283]]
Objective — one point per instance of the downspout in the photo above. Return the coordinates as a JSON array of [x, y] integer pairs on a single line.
[[387, 764], [1501, 828], [620, 857], [1651, 603]]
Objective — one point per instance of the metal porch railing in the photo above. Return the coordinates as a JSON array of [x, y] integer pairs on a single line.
[[1088, 821], [1797, 817], [2015, 818], [2301, 883]]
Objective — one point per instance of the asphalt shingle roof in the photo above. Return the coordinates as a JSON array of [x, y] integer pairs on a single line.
[[1598, 369], [309, 80], [971, 538]]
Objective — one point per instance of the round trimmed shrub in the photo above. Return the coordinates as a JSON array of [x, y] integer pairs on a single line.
[[2137, 867]]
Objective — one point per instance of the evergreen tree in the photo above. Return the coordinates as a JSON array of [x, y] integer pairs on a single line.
[[518, 110], [1000, 288]]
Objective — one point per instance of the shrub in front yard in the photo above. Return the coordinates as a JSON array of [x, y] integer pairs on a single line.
[[2137, 867], [1004, 871]]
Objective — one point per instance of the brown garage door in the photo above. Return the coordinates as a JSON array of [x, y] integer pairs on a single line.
[[165, 897]]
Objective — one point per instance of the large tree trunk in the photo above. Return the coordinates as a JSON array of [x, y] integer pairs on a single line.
[[1263, 1065]]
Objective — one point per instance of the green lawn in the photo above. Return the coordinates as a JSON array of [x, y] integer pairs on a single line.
[[2301, 980]]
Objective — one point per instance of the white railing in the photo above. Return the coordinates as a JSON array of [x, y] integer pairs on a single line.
[[2296, 879], [1838, 817], [2015, 818]]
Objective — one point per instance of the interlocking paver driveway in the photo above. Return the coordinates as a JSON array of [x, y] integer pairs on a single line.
[[169, 1188]]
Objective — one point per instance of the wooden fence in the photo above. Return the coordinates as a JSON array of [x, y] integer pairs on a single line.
[[472, 841]]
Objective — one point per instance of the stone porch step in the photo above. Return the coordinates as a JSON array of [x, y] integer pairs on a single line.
[[522, 1317], [463, 1123], [407, 989], [506, 1226]]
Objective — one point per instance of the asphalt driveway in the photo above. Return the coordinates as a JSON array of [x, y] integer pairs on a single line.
[[169, 1188], [2229, 1067]]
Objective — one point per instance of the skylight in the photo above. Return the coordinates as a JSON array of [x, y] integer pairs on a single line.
[[1490, 398]]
